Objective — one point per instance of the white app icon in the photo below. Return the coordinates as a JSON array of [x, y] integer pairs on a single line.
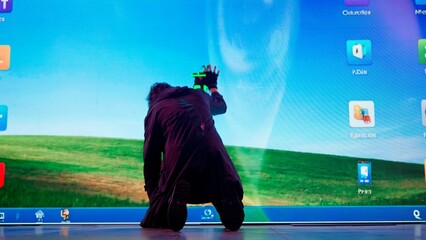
[[39, 215], [416, 214], [361, 114], [357, 51], [364, 171]]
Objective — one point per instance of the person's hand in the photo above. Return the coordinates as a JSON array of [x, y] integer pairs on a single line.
[[210, 80]]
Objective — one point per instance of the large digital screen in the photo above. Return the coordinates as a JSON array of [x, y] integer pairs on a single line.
[[326, 118]]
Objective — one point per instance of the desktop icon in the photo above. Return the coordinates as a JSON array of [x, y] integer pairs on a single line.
[[422, 51], [364, 172], [359, 52], [3, 118], [2, 174], [65, 215], [361, 114], [208, 214], [417, 215], [420, 2], [6, 6], [39, 216], [357, 2], [4, 57], [424, 112]]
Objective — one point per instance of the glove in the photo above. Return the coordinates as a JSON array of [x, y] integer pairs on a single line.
[[211, 80], [211, 77]]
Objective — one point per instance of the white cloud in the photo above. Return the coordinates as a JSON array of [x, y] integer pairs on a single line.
[[235, 57]]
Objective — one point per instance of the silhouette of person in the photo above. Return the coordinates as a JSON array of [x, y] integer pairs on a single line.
[[185, 160]]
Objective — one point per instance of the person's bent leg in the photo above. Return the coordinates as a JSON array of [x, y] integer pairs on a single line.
[[178, 212], [230, 207], [156, 215]]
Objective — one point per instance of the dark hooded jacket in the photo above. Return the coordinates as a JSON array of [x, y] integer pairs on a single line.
[[181, 142]]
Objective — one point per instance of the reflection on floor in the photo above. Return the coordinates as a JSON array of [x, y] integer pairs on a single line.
[[192, 232]]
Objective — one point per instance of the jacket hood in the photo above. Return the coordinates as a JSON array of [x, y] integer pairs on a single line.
[[172, 92]]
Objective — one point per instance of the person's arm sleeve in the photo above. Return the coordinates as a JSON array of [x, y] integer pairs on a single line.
[[217, 104], [152, 149]]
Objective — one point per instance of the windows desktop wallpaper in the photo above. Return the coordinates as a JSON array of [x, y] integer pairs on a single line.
[[326, 99]]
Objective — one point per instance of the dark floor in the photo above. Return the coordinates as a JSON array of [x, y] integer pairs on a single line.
[[192, 232]]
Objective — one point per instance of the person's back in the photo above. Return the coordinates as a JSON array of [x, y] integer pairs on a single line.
[[184, 115]]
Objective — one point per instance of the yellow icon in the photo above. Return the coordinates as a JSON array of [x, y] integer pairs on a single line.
[[4, 57], [357, 112]]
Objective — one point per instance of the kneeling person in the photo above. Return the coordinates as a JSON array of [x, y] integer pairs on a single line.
[[185, 160]]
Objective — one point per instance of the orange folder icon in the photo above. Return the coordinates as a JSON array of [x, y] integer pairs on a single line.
[[4, 57]]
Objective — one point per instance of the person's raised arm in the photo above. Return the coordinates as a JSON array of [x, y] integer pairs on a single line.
[[218, 104]]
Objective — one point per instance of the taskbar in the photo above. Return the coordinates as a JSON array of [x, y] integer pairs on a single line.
[[208, 215]]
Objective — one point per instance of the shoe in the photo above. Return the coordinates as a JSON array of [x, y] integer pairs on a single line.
[[177, 212], [232, 212]]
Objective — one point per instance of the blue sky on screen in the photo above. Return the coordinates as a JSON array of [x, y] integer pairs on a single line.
[[85, 67]]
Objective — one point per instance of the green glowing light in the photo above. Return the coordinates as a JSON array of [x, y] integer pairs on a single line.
[[199, 74], [205, 88]]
